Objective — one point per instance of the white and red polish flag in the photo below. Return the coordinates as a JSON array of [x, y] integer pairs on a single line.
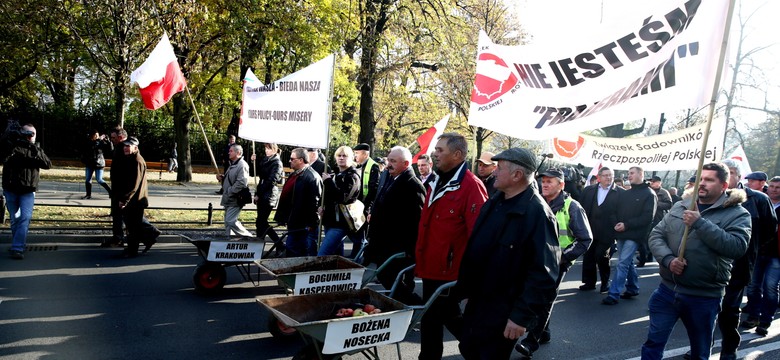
[[428, 139], [159, 77]]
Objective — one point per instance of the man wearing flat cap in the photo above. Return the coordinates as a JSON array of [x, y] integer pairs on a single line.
[[451, 207], [574, 238], [131, 194], [757, 181], [368, 170], [485, 168], [511, 264], [662, 206]]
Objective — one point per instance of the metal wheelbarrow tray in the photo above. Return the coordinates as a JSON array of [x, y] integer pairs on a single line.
[[315, 274], [314, 317]]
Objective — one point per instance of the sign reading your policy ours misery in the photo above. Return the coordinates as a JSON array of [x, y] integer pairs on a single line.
[[679, 150], [664, 59], [293, 111]]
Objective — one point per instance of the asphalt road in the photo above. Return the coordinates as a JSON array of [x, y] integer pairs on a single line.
[[71, 300]]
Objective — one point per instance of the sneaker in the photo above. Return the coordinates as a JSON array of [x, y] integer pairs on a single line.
[[726, 356], [17, 255], [609, 301], [586, 287], [762, 329], [749, 323], [628, 295]]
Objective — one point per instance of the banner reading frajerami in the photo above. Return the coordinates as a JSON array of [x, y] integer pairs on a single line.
[[666, 60]]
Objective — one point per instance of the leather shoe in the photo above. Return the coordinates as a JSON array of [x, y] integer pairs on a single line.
[[524, 350], [628, 295], [586, 287], [762, 329], [749, 323], [604, 288], [148, 245], [609, 301]]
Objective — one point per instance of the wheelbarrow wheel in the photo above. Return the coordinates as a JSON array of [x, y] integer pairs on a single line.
[[309, 352], [280, 330], [209, 277]]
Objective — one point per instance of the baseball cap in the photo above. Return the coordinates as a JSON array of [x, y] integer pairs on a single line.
[[131, 141], [486, 157], [655, 178]]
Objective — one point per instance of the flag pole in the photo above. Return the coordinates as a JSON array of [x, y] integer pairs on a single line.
[[187, 87], [710, 114]]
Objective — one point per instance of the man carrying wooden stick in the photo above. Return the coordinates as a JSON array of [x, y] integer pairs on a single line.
[[692, 285]]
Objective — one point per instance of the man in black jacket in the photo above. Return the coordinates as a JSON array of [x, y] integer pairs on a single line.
[[600, 204], [298, 205], [393, 222], [510, 265], [22, 162], [635, 212]]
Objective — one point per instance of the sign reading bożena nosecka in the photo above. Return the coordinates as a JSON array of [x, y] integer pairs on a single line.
[[665, 60], [294, 110], [679, 150]]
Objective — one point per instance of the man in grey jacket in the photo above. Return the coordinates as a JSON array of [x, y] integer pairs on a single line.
[[234, 179], [693, 283]]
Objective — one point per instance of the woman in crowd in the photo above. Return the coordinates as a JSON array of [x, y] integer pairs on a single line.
[[341, 188], [93, 159], [269, 170]]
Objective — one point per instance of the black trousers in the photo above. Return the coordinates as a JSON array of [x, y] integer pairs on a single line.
[[116, 220], [445, 311], [596, 256], [728, 318], [405, 290], [543, 325], [261, 223]]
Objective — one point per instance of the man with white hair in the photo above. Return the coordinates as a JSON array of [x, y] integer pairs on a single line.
[[233, 181], [393, 222]]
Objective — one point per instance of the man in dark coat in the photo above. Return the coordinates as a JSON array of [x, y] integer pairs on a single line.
[[131, 193], [369, 185], [600, 204], [298, 206], [393, 222], [511, 262], [635, 212]]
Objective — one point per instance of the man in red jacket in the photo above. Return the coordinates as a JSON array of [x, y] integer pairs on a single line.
[[448, 216]]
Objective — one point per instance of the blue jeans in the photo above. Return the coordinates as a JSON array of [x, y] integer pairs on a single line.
[[333, 242], [20, 208], [625, 273], [98, 175], [697, 314], [302, 242], [763, 300]]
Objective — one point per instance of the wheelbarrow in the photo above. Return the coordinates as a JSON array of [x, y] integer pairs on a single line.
[[219, 253], [329, 337], [315, 274]]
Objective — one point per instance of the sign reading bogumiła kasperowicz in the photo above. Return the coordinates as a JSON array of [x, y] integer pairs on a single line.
[[344, 335], [235, 251], [328, 281]]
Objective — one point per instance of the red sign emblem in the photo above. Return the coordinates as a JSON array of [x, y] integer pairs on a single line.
[[494, 79], [568, 149]]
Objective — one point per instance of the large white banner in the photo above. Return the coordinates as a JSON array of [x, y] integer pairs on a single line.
[[667, 60], [679, 150], [292, 111]]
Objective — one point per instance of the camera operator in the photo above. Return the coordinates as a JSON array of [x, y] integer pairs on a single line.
[[22, 161]]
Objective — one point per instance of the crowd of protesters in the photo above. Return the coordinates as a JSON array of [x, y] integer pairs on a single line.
[[504, 224]]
